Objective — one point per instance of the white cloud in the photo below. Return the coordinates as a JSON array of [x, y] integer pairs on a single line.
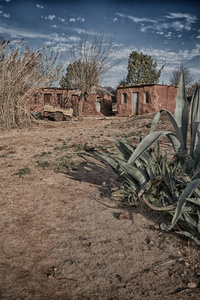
[[59, 38], [160, 32], [73, 38], [39, 6], [177, 22], [7, 0], [62, 47], [178, 26], [81, 20], [6, 15], [72, 20], [50, 17], [169, 34], [61, 19], [135, 19], [48, 43], [14, 32], [115, 20], [54, 26], [3, 14], [188, 17]]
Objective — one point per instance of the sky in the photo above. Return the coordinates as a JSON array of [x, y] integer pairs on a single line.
[[168, 30]]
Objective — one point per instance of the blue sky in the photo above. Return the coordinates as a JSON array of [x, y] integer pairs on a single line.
[[169, 31]]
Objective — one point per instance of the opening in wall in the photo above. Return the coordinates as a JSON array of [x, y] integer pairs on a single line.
[[124, 98], [47, 99], [146, 97]]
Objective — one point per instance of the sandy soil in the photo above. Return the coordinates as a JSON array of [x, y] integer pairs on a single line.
[[62, 234]]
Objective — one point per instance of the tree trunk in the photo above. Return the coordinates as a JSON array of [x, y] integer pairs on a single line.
[[80, 108]]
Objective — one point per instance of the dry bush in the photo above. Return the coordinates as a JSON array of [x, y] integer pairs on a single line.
[[21, 71]]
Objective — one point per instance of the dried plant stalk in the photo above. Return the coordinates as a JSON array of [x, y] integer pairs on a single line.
[[21, 72]]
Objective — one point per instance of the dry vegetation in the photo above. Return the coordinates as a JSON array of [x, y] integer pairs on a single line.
[[65, 235], [21, 71]]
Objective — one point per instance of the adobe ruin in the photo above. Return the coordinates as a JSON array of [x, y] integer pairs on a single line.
[[141, 99], [98, 102]]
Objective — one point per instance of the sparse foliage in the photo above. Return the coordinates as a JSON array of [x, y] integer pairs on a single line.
[[142, 69], [21, 71], [191, 90], [89, 59], [176, 75]]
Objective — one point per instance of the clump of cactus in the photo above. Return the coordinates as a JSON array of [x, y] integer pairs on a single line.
[[168, 183]]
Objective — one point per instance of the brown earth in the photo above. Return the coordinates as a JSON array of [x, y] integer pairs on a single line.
[[62, 234]]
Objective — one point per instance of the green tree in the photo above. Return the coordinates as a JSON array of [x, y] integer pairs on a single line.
[[79, 74], [89, 59], [142, 69]]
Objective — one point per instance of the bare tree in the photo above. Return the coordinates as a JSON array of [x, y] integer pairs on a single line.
[[176, 74], [22, 71], [89, 59]]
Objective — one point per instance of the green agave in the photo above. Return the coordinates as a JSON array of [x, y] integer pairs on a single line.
[[179, 178]]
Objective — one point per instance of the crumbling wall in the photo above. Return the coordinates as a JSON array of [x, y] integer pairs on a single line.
[[90, 105], [69, 98], [158, 97], [36, 101]]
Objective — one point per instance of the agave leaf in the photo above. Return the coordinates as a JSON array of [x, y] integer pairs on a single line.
[[158, 208], [116, 167], [195, 125], [187, 234], [194, 200], [111, 161], [177, 146], [147, 142], [168, 178], [137, 173], [192, 222], [155, 121], [128, 145], [125, 152], [182, 201], [198, 223], [181, 111], [132, 182]]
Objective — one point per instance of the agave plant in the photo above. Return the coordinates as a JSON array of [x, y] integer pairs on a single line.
[[175, 180]]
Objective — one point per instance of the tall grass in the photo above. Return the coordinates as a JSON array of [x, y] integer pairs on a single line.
[[22, 70]]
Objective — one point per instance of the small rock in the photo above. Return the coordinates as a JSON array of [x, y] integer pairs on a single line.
[[192, 285], [156, 227], [187, 264], [124, 216]]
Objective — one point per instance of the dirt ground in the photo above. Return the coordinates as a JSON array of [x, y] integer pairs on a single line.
[[63, 236]]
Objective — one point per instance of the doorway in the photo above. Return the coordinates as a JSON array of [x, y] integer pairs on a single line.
[[135, 103], [98, 104]]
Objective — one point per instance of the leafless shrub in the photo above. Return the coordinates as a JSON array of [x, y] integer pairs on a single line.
[[89, 59]]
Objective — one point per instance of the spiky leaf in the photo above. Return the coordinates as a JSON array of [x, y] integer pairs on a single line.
[[181, 111]]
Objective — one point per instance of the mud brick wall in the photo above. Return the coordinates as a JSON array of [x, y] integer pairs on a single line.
[[151, 98], [36, 101], [39, 98]]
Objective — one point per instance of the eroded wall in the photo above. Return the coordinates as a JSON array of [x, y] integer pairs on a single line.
[[36, 101], [151, 98], [67, 98]]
